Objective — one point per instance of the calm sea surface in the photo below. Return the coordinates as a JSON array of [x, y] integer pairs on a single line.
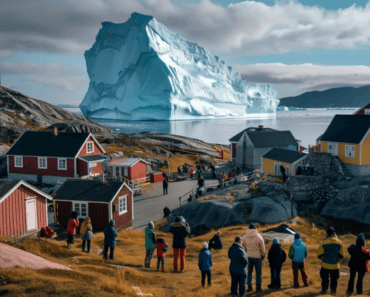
[[305, 125]]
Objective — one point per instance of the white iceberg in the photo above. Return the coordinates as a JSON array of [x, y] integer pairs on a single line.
[[139, 70]]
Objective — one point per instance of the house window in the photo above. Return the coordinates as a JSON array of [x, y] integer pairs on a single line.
[[43, 163], [350, 151], [122, 205], [125, 173], [90, 147], [62, 164], [92, 164], [118, 171], [367, 111], [81, 209], [18, 161]]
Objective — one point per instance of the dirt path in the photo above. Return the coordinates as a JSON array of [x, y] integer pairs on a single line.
[[11, 257]]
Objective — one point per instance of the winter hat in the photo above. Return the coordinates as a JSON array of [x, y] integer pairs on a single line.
[[360, 241], [330, 231], [151, 225], [87, 219], [205, 245], [297, 235], [252, 226], [238, 239], [275, 240], [219, 233]]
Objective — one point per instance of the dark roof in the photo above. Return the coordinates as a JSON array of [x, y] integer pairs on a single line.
[[6, 185], [93, 158], [347, 128], [283, 155], [45, 144], [319, 138], [250, 129], [88, 190], [271, 139]]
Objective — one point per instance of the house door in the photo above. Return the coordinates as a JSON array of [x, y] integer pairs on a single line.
[[31, 217], [276, 169], [335, 149]]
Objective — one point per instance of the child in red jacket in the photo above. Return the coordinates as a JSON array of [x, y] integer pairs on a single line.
[[162, 247], [73, 223]]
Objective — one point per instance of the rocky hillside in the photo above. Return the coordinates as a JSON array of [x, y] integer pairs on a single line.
[[19, 112]]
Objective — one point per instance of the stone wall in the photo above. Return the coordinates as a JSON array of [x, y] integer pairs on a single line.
[[322, 163], [305, 183]]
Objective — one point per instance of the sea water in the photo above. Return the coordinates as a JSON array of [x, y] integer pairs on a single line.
[[306, 125]]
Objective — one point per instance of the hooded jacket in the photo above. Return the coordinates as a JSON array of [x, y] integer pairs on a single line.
[[84, 224], [72, 225], [238, 259], [180, 231], [205, 260], [330, 252], [161, 248], [359, 257], [110, 234], [276, 255], [149, 238], [298, 251], [254, 244]]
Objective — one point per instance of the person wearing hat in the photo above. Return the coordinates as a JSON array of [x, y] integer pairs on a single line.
[[254, 245], [358, 264], [205, 263], [238, 262], [330, 252], [276, 257], [180, 230], [216, 242], [86, 234], [150, 244], [298, 254]]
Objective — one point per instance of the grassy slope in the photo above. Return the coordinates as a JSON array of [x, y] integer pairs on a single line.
[[92, 277]]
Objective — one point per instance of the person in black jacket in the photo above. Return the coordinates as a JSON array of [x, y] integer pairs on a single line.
[[180, 230], [216, 242], [179, 170], [166, 212], [283, 174], [238, 262], [276, 257], [358, 263], [165, 185], [213, 168]]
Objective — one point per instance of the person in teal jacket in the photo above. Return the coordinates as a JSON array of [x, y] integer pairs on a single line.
[[205, 263], [298, 253], [109, 240], [150, 244]]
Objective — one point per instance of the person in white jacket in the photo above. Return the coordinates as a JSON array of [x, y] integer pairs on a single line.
[[254, 245]]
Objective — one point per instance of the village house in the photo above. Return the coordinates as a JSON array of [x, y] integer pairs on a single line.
[[99, 200], [347, 138], [132, 169], [23, 208], [248, 146], [289, 159], [51, 157]]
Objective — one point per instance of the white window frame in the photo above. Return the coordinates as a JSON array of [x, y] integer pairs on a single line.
[[121, 212], [21, 162], [367, 111], [87, 147], [125, 171], [79, 214], [61, 159], [349, 148], [46, 163], [92, 164]]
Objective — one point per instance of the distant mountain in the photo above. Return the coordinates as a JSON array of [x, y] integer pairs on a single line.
[[336, 97], [67, 106]]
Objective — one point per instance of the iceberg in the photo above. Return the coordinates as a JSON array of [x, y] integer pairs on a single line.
[[140, 70]]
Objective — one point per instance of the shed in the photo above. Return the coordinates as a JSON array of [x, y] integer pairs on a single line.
[[101, 201], [133, 169], [23, 208]]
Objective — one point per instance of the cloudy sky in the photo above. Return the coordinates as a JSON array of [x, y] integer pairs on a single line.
[[296, 46]]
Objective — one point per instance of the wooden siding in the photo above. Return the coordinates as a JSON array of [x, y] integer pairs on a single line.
[[268, 166], [126, 218], [342, 152], [97, 150], [63, 210], [99, 215], [365, 151], [30, 166], [13, 212], [98, 169], [81, 167], [137, 171]]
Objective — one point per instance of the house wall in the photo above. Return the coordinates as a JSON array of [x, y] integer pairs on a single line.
[[365, 151], [63, 212], [239, 150], [268, 166], [99, 215], [13, 212], [83, 151], [98, 169], [138, 171], [342, 152], [81, 167], [125, 219]]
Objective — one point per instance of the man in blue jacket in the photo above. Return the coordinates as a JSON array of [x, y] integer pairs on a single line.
[[205, 263], [298, 253], [238, 262], [109, 240]]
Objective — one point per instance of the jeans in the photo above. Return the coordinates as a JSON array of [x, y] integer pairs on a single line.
[[275, 277], [148, 257], [70, 238], [207, 274], [88, 245], [257, 262], [160, 260], [165, 191], [360, 278], [334, 275], [296, 268], [111, 252], [176, 253], [236, 280]]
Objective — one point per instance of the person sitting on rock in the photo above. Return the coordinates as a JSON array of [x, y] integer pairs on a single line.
[[166, 212], [216, 242]]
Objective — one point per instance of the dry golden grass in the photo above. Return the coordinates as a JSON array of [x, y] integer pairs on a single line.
[[91, 276]]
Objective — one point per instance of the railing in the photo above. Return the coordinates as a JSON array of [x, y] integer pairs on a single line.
[[338, 164]]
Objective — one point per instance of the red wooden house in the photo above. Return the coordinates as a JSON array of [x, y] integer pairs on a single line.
[[101, 201], [23, 208], [51, 157], [363, 111], [133, 169]]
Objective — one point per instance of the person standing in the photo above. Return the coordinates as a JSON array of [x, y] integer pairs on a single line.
[[178, 170], [330, 252], [180, 230], [238, 171], [276, 257], [298, 254], [238, 262], [150, 244], [216, 242], [73, 223], [358, 264], [166, 212], [165, 185], [86, 234], [231, 173], [254, 245], [199, 170], [162, 248], [213, 168], [283, 173], [110, 236], [205, 263]]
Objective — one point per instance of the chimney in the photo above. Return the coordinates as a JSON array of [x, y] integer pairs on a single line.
[[55, 131], [260, 127]]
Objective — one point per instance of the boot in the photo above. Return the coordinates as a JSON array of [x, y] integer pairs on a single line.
[[258, 290], [69, 246], [250, 289]]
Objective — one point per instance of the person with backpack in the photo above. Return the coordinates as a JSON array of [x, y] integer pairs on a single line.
[[216, 242], [330, 252], [358, 264], [150, 244], [276, 257], [205, 263], [86, 234], [238, 262], [110, 235], [180, 230], [162, 248], [298, 254], [73, 223]]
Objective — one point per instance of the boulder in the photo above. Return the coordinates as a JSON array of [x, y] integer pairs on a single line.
[[244, 197]]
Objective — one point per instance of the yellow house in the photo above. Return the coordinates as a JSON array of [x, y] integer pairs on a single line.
[[272, 160], [347, 138]]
